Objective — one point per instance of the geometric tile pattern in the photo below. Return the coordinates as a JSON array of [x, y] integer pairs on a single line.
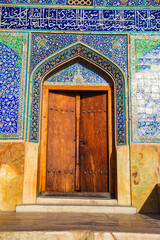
[[77, 74], [80, 2], [113, 47], [59, 59], [152, 3], [95, 3], [124, 3], [84, 20], [145, 88], [13, 52]]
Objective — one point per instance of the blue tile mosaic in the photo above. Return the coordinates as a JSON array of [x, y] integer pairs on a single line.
[[114, 47], [124, 3], [114, 3], [12, 85], [60, 2], [9, 90], [98, 3], [152, 3], [33, 1], [77, 74], [85, 20], [67, 55], [146, 89]]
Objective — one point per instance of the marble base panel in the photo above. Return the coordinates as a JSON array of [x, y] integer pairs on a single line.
[[76, 209], [77, 235]]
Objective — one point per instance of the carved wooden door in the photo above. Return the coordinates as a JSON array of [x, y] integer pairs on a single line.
[[93, 150], [61, 142], [77, 142]]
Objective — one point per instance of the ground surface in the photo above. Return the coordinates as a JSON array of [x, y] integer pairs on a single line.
[[11, 221]]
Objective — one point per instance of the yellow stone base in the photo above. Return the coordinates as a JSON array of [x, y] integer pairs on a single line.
[[11, 174]]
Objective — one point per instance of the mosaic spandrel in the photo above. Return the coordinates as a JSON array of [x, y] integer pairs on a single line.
[[114, 47]]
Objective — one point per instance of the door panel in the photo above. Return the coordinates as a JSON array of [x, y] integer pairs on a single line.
[[93, 153], [77, 152], [61, 143]]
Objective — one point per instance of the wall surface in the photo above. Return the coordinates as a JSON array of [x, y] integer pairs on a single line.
[[145, 171], [11, 174]]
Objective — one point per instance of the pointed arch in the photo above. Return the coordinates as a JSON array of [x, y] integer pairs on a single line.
[[99, 63]]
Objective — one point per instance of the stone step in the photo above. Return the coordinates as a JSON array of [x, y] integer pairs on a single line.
[[76, 209], [76, 201]]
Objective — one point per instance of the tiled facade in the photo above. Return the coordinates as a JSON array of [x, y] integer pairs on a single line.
[[80, 19], [114, 47], [121, 39], [13, 63], [145, 88], [77, 74]]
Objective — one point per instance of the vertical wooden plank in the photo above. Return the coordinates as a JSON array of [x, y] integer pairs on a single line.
[[61, 143], [110, 140], [77, 140], [94, 153], [43, 148]]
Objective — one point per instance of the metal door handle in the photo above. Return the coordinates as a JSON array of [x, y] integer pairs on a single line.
[[83, 141]]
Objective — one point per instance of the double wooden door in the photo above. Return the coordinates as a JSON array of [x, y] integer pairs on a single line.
[[77, 153]]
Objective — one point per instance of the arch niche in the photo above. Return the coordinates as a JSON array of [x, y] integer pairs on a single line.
[[94, 92], [78, 53]]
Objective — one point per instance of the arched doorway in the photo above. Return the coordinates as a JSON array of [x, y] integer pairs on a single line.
[[37, 122], [77, 138]]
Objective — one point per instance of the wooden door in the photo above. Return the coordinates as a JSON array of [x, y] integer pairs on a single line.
[[61, 143], [77, 142], [93, 142]]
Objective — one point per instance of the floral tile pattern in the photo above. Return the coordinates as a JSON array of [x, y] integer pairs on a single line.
[[13, 49], [77, 74], [114, 47], [145, 88]]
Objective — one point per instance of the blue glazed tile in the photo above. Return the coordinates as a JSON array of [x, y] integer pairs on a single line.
[[85, 20], [113, 47], [124, 3], [77, 75], [9, 90], [152, 3], [12, 84], [98, 3], [60, 2], [146, 89]]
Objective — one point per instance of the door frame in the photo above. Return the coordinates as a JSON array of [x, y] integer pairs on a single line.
[[44, 131]]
